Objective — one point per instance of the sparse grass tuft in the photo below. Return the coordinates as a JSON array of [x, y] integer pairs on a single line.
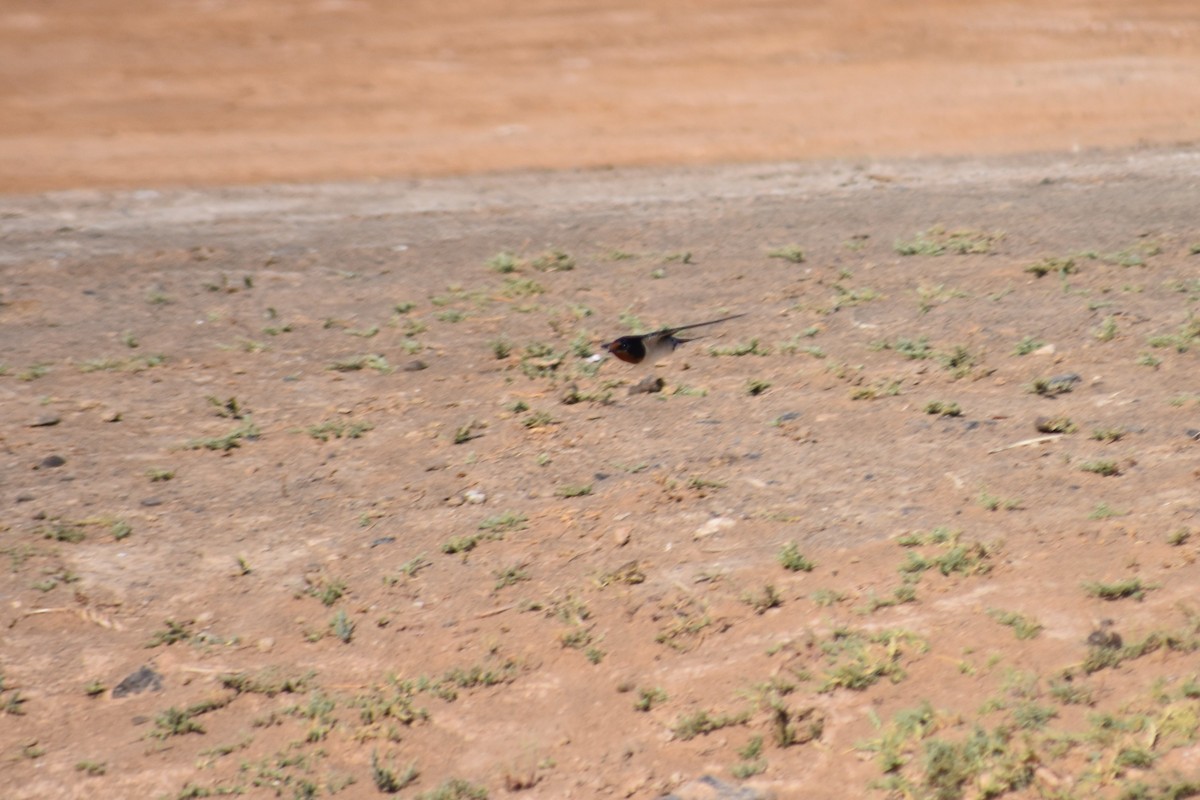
[[175, 722], [1063, 266], [763, 601], [859, 660], [504, 262], [173, 632], [342, 626], [943, 408], [1108, 434], [792, 560], [699, 723], [1027, 345], [912, 349], [1101, 467], [338, 429], [755, 386], [510, 576], [750, 348], [508, 521], [959, 361], [1024, 627], [386, 777], [1118, 590], [1105, 511], [1049, 387], [455, 789], [1187, 336], [938, 241], [790, 252], [648, 698], [553, 261], [1107, 330], [1179, 537], [247, 431], [361, 362]]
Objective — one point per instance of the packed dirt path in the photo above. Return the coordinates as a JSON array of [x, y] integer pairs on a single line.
[[120, 93]]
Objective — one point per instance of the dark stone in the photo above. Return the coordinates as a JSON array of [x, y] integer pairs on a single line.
[[415, 366], [137, 682], [1063, 383], [45, 421], [648, 385], [710, 788], [150, 502], [49, 462]]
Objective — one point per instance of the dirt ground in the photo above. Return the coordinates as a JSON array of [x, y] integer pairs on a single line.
[[317, 489], [116, 93]]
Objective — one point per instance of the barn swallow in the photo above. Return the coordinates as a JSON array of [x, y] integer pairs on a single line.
[[650, 347]]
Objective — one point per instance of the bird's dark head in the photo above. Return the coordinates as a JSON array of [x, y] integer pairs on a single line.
[[628, 348]]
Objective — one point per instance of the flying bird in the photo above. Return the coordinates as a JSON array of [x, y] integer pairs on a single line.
[[650, 347]]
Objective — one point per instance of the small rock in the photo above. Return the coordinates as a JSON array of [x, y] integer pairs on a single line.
[[383, 540], [25, 497], [49, 462], [648, 385], [714, 525], [1063, 383], [1104, 636], [137, 682], [266, 644], [415, 366], [1192, 433], [45, 421], [112, 415], [621, 536], [151, 502], [474, 497], [710, 788]]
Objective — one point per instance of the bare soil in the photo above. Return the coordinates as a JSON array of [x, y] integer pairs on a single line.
[[116, 93], [335, 462]]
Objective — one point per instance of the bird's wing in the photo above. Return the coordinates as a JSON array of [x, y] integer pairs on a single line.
[[671, 331]]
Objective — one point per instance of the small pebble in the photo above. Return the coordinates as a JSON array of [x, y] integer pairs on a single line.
[[415, 366], [474, 497], [49, 462], [45, 421], [150, 502]]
